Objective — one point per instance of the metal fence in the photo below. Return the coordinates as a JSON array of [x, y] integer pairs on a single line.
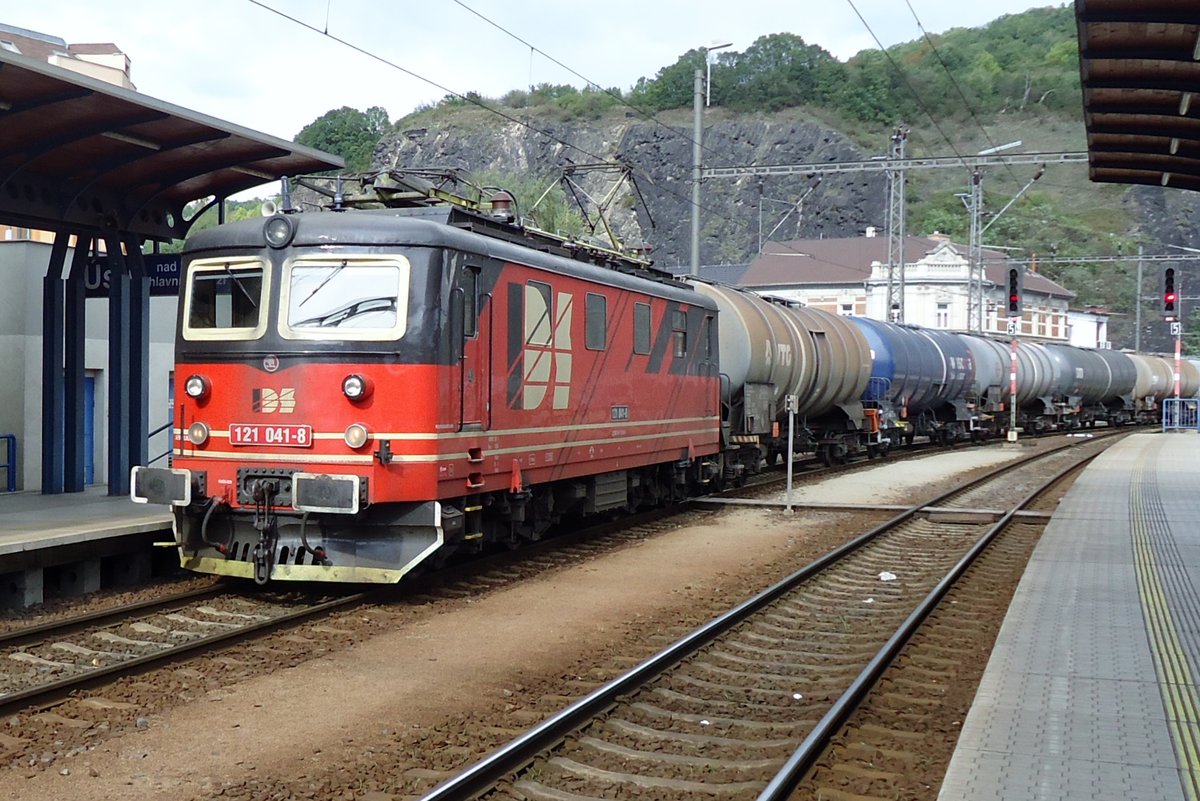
[[1181, 414]]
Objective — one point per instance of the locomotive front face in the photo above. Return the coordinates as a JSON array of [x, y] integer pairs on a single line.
[[293, 369]]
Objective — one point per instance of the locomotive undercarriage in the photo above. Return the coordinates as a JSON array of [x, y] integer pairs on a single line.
[[527, 514], [381, 543]]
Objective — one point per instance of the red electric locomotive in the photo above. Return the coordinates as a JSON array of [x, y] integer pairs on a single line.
[[360, 391]]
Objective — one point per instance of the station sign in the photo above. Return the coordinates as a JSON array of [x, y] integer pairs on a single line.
[[163, 270]]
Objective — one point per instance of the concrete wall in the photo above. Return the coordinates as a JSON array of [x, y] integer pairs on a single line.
[[22, 267]]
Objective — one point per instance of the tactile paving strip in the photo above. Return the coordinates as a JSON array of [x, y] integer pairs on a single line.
[[1071, 706]]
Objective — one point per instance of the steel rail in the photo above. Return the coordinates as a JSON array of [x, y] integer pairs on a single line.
[[781, 787], [513, 756], [53, 691], [111, 615]]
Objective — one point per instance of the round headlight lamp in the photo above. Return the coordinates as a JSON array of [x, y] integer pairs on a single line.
[[197, 433], [357, 435], [196, 387], [356, 387], [278, 231]]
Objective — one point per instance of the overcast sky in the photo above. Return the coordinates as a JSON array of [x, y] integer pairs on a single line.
[[239, 61]]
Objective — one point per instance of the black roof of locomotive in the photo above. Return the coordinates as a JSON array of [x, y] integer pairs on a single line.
[[445, 227]]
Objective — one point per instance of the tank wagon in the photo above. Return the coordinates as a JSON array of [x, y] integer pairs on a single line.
[[919, 380], [770, 349], [360, 394]]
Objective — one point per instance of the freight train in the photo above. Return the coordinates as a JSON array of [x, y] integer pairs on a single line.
[[362, 393]]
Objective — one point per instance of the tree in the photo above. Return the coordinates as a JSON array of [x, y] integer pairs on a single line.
[[349, 133]]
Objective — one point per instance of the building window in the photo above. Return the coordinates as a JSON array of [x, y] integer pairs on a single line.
[[641, 328], [596, 321], [943, 315]]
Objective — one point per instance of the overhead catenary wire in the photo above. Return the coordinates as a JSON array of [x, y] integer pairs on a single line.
[[473, 100], [486, 107], [957, 88], [535, 49], [508, 117], [912, 89]]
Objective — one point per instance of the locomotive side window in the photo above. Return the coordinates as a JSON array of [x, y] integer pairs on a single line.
[[596, 322], [641, 328], [225, 299], [679, 333], [470, 300], [344, 297], [537, 314]]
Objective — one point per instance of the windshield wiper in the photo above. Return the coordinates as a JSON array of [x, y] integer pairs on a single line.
[[321, 285], [238, 281], [355, 309]]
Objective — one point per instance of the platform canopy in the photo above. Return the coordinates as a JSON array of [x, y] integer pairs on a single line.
[[1140, 70], [84, 156]]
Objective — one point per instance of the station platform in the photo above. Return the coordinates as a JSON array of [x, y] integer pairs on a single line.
[[73, 543], [1091, 691]]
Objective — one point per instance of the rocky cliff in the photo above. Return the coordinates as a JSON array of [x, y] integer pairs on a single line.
[[661, 157]]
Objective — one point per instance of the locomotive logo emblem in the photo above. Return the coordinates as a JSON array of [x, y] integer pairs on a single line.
[[268, 401], [271, 363]]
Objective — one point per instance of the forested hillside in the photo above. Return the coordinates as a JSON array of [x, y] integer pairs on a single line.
[[784, 100]]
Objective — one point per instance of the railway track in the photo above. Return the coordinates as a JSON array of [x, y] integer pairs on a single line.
[[44, 663], [742, 706]]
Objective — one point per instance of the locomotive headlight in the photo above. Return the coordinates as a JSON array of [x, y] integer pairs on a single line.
[[278, 231], [197, 433], [356, 387], [357, 435], [197, 386]]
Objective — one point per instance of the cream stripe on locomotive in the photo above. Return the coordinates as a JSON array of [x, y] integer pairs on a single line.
[[291, 455], [540, 430], [409, 437]]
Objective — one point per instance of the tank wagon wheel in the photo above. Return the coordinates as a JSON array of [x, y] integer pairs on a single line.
[[832, 454]]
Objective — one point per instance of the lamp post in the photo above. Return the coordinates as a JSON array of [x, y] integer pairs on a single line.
[[708, 51], [697, 134]]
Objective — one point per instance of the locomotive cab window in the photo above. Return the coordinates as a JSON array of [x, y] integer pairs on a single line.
[[641, 328], [353, 296], [596, 322], [225, 299]]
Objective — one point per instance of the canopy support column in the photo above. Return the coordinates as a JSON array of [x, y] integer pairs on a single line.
[[53, 392]]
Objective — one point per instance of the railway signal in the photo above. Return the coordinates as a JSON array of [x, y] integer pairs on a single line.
[[1170, 296], [1014, 291]]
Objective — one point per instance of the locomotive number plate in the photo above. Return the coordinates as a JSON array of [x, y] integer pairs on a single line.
[[259, 434]]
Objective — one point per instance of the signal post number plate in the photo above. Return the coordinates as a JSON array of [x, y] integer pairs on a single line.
[[277, 436]]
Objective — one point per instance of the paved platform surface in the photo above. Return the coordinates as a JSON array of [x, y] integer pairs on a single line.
[[31, 521], [1091, 692]]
